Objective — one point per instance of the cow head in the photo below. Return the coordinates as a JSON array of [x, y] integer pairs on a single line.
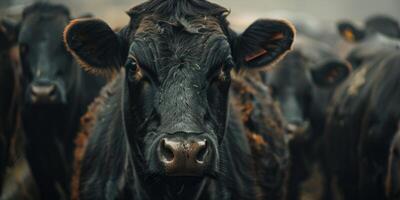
[[47, 69], [178, 57], [384, 25], [303, 80]]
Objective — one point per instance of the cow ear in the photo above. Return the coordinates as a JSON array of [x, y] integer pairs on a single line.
[[95, 45], [263, 43], [331, 73], [350, 32], [8, 34]]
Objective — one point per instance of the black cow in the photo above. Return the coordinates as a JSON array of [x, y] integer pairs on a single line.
[[303, 83], [165, 130], [56, 94], [10, 85], [363, 120], [15, 179]]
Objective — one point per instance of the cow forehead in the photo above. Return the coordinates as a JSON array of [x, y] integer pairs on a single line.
[[167, 45], [40, 26], [154, 25]]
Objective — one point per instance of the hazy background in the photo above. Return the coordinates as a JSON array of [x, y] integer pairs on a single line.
[[243, 11]]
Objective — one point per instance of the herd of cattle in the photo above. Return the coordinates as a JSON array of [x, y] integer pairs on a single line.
[[177, 105]]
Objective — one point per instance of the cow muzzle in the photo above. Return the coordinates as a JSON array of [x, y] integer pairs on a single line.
[[44, 93], [181, 156]]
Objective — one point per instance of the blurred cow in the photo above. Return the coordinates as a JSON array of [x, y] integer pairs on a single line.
[[363, 120], [15, 178], [302, 84], [56, 93]]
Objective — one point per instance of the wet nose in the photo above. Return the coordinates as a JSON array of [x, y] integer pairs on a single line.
[[43, 93], [184, 157]]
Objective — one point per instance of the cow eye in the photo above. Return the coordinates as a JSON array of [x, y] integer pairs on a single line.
[[131, 64], [132, 69]]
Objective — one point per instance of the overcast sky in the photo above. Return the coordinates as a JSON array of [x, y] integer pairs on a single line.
[[243, 11]]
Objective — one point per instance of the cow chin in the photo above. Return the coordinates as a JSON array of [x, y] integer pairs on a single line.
[[182, 156]]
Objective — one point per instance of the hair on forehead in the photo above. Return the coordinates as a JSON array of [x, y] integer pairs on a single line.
[[176, 10], [44, 7]]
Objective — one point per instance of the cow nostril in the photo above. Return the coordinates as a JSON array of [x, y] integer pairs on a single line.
[[202, 152], [166, 151]]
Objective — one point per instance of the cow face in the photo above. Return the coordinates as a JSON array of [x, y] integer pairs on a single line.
[[46, 63], [302, 80], [178, 71]]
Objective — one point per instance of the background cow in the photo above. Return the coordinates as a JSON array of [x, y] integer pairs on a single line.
[[15, 178], [56, 93], [302, 84], [168, 129], [9, 93], [363, 120]]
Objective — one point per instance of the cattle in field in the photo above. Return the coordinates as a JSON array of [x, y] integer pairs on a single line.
[[363, 120], [56, 93], [303, 83], [169, 129], [15, 179]]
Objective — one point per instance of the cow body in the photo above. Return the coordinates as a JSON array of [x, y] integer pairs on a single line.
[[363, 121], [56, 93]]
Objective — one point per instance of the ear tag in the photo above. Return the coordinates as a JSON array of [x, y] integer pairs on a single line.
[[255, 55], [349, 35]]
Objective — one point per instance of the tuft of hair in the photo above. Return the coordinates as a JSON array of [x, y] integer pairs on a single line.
[[45, 7], [176, 9]]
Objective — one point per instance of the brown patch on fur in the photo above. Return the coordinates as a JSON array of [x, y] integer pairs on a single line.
[[257, 141], [251, 98], [88, 120], [358, 82]]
